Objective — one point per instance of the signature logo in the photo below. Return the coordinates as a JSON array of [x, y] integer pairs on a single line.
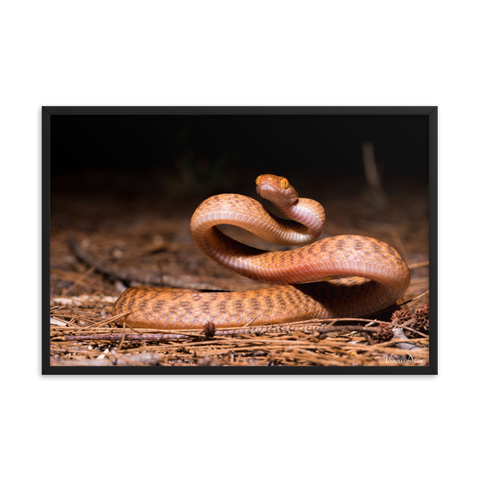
[[408, 359]]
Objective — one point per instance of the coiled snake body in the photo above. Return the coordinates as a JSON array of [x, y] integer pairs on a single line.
[[355, 275]]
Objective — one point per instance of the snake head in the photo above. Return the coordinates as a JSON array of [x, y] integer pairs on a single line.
[[276, 189]]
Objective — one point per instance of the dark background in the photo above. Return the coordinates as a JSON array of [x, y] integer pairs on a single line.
[[130, 183], [189, 156]]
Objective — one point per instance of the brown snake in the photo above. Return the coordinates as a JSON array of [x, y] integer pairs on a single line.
[[334, 263]]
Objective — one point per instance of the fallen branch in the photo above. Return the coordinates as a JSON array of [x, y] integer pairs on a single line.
[[129, 277]]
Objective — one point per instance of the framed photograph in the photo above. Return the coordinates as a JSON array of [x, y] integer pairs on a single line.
[[239, 240]]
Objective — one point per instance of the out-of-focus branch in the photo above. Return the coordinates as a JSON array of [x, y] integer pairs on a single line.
[[375, 191]]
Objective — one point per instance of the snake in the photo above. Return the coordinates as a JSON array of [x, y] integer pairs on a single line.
[[333, 277]]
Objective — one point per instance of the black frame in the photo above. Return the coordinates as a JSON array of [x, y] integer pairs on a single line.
[[432, 111]]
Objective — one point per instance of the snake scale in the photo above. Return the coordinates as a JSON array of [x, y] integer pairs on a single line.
[[339, 276]]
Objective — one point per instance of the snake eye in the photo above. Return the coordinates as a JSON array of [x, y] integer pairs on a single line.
[[257, 180], [284, 183]]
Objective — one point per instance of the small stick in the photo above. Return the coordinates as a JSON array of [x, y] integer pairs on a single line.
[[275, 328], [418, 265], [123, 338], [415, 298], [99, 324], [79, 279]]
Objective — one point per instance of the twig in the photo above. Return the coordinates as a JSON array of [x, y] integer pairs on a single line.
[[80, 278], [371, 173], [418, 265], [268, 329], [370, 166], [123, 338], [99, 324], [415, 298]]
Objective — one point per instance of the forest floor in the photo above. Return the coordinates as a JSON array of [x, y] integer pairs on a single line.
[[101, 244]]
